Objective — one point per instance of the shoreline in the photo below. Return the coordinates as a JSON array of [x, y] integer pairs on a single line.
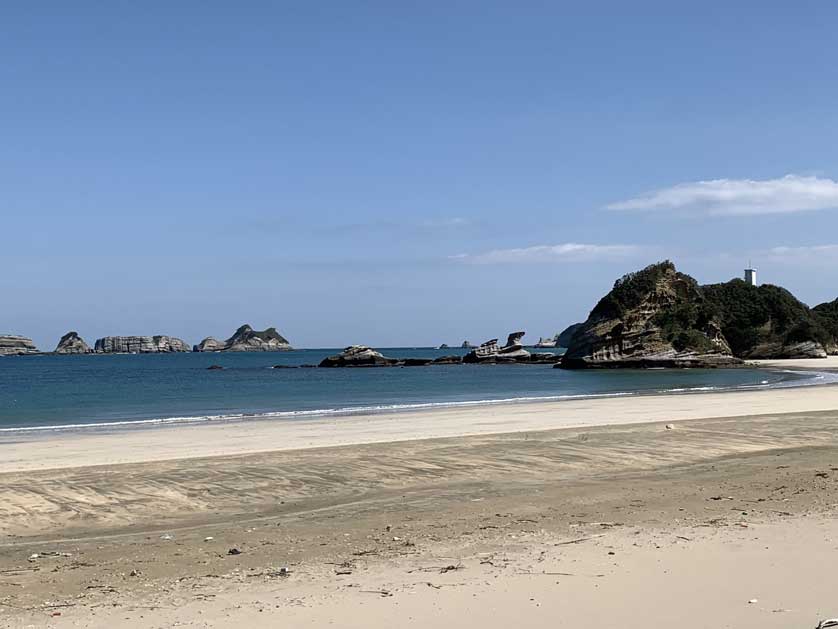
[[39, 450], [813, 367]]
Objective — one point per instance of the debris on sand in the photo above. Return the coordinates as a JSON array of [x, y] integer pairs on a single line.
[[382, 593], [47, 553]]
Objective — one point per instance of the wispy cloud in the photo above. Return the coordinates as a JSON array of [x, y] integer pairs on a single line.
[[732, 197], [812, 252], [566, 252]]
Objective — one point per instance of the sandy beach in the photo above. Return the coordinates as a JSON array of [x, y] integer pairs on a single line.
[[587, 512]]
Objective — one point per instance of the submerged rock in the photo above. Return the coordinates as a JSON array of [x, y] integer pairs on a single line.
[[416, 362], [72, 343], [246, 339], [545, 358], [359, 356], [13, 345], [656, 317], [447, 360], [139, 345]]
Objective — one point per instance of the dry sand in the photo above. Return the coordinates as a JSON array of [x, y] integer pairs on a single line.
[[614, 522]]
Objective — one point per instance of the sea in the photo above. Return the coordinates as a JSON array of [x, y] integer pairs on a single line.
[[51, 392]]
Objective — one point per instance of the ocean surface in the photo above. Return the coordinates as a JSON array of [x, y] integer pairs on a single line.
[[73, 392]]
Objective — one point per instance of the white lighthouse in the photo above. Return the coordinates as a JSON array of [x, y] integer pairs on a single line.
[[751, 276]]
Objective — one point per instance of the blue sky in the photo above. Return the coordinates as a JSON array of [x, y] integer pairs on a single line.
[[379, 173]]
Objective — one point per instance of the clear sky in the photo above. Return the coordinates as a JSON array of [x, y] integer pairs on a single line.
[[403, 173]]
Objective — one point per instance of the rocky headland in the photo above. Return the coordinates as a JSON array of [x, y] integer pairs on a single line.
[[72, 343], [656, 317], [246, 339], [13, 345], [139, 345], [827, 315], [566, 336]]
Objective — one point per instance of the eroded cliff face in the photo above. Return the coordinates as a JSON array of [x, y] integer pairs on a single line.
[[139, 345], [246, 339], [13, 345], [656, 317], [72, 343]]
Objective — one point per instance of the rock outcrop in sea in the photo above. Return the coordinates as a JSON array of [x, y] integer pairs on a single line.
[[466, 345], [513, 352], [139, 345], [359, 356], [546, 342], [656, 317], [246, 339], [72, 343], [13, 345]]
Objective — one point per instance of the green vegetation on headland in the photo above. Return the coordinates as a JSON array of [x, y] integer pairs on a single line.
[[765, 321]]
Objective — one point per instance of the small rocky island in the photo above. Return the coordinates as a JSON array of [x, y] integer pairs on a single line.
[[139, 345], [72, 343], [12, 345], [246, 339]]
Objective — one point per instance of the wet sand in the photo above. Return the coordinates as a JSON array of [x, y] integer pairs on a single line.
[[629, 524]]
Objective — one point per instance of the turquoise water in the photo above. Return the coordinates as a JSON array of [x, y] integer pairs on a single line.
[[49, 391]]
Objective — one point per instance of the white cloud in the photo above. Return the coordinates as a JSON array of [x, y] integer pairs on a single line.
[[566, 252], [730, 197], [813, 252]]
